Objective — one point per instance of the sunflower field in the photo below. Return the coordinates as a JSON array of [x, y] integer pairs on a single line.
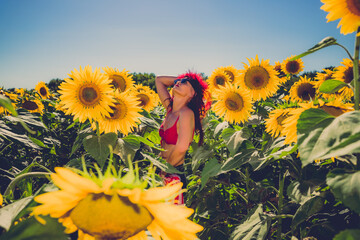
[[280, 159]]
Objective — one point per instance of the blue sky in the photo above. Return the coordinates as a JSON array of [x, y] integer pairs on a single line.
[[42, 39]]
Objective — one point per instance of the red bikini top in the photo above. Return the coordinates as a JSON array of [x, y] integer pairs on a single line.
[[170, 135]]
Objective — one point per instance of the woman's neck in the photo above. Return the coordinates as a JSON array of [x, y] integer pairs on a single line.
[[178, 103]]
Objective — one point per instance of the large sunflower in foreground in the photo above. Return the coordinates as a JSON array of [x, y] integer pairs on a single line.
[[334, 108], [346, 75], [348, 11], [124, 117], [122, 81], [233, 103], [34, 106], [43, 90], [259, 78], [292, 67], [87, 94], [274, 124], [303, 90], [113, 207], [217, 79]]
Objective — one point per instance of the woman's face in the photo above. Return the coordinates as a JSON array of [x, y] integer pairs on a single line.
[[184, 88]]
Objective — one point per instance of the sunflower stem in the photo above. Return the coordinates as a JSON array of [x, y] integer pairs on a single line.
[[17, 179], [97, 128], [356, 70], [348, 53]]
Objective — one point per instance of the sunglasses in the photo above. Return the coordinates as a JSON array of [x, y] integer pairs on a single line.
[[182, 80]]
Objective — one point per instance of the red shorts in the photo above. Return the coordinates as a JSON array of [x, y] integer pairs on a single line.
[[173, 178]]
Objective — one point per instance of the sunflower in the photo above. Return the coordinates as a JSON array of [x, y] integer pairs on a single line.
[[348, 11], [5, 111], [139, 88], [303, 90], [280, 74], [232, 72], [233, 103], [87, 94], [146, 98], [334, 108], [124, 117], [121, 81], [274, 124], [327, 74], [217, 78], [292, 67], [289, 124], [122, 206], [346, 75], [259, 78], [43, 90], [1, 200], [20, 91], [33, 106]]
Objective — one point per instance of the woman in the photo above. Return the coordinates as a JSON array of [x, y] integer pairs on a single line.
[[184, 111]]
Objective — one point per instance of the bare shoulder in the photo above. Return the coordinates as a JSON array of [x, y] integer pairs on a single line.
[[187, 113]]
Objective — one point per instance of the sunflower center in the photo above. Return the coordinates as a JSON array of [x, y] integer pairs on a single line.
[[144, 99], [118, 82], [348, 75], [43, 91], [110, 217], [306, 91], [256, 77], [354, 6], [89, 95], [231, 75], [30, 105], [234, 102], [334, 111], [220, 81], [292, 67], [120, 111], [281, 118]]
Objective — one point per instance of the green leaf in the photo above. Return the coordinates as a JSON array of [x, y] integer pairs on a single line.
[[234, 139], [98, 146], [211, 169], [238, 160], [294, 192], [255, 226], [328, 41], [9, 133], [310, 207], [149, 122], [331, 86], [38, 142], [321, 136], [348, 234], [126, 146], [200, 155], [80, 138], [9, 212], [345, 186], [219, 128], [6, 103], [32, 229]]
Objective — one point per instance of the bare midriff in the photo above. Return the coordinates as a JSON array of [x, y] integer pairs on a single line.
[[168, 149]]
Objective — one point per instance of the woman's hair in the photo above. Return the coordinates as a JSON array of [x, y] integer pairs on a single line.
[[197, 103]]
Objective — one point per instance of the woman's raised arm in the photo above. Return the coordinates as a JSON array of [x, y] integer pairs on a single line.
[[162, 83]]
